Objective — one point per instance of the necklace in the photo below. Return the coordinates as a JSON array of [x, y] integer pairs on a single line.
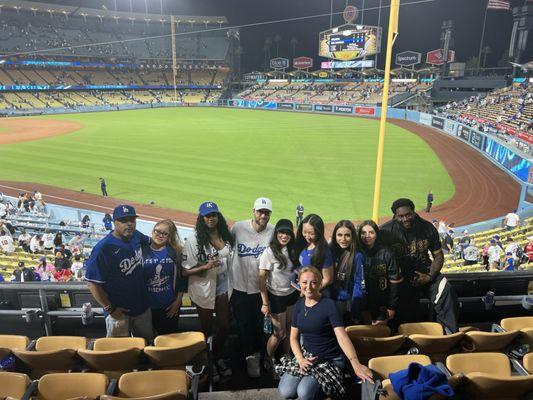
[[306, 310]]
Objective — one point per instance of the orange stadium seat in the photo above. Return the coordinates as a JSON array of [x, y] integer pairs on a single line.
[[70, 386], [374, 341], [175, 350], [152, 385], [13, 385]]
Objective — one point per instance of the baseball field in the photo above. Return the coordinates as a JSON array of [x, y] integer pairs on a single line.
[[180, 157]]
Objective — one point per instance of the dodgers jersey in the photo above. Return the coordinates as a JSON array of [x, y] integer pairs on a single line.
[[118, 266], [159, 274], [249, 245]]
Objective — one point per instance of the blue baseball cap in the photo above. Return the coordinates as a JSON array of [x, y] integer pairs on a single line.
[[208, 207], [123, 211]]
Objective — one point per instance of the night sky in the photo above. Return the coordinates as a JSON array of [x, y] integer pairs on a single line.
[[419, 24]]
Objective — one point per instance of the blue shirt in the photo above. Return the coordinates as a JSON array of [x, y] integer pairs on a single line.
[[305, 261], [117, 266], [159, 274], [315, 324]]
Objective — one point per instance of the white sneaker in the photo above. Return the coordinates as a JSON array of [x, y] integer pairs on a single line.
[[223, 367], [252, 366]]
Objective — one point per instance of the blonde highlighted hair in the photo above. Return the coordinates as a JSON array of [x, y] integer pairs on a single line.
[[315, 271]]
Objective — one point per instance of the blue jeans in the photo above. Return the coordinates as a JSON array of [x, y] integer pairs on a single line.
[[305, 388]]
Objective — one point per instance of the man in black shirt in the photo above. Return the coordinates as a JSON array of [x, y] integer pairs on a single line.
[[412, 239]]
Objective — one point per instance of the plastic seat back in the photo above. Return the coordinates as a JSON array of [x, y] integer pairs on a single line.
[[175, 350], [421, 328], [383, 366], [491, 363], [64, 386], [491, 341], [153, 383], [118, 343], [13, 384], [52, 343], [368, 331], [12, 342], [516, 323]]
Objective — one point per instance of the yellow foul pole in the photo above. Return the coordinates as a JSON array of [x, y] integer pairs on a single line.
[[174, 64], [391, 37]]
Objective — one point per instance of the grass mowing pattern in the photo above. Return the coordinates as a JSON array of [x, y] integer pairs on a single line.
[[180, 157]]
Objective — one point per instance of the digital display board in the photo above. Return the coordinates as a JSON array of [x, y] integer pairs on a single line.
[[348, 42]]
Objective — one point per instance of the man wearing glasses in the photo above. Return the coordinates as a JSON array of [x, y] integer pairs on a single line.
[[115, 277], [251, 238]]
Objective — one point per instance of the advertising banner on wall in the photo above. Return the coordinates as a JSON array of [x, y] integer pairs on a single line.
[[303, 107], [347, 64], [463, 132], [477, 139], [361, 110], [436, 57], [302, 62], [508, 159], [279, 63], [285, 106], [425, 119], [408, 58], [254, 104], [450, 126], [437, 122], [343, 109], [323, 107]]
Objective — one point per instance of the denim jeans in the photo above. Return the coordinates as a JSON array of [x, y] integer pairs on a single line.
[[139, 326], [305, 388]]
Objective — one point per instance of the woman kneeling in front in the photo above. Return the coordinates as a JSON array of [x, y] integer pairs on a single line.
[[316, 371]]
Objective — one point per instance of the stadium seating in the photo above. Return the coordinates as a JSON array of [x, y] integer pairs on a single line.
[[63, 386], [523, 324], [152, 385], [175, 350], [490, 341], [113, 356], [13, 385], [374, 341], [429, 338], [488, 376], [8, 343]]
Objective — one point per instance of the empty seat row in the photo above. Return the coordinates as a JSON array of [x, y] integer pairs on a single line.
[[428, 338], [64, 353], [144, 385], [475, 376]]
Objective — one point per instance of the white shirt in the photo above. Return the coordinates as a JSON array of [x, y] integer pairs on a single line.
[[48, 239], [511, 248], [495, 253], [34, 244], [249, 245], [512, 220], [279, 280], [203, 286], [2, 209], [6, 242], [24, 237]]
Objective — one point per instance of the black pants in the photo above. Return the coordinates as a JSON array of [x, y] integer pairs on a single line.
[[246, 310], [445, 310], [428, 206], [104, 191], [162, 324]]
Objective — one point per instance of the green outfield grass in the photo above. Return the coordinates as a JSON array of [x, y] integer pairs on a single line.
[[179, 157]]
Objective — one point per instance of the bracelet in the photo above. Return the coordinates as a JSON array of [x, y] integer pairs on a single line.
[[108, 307], [266, 305]]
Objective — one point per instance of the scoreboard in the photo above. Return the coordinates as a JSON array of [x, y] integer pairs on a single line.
[[349, 42]]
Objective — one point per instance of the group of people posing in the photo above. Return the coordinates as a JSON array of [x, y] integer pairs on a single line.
[[310, 289]]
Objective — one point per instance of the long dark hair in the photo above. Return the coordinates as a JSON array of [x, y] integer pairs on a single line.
[[276, 248], [371, 223], [319, 255], [337, 251], [202, 233]]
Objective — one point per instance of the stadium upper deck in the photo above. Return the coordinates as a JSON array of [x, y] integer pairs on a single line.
[[53, 30]]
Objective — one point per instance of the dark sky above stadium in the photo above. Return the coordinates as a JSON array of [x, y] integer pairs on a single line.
[[420, 23]]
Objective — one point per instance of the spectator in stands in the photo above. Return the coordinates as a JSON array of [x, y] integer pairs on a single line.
[[36, 244], [45, 270], [495, 253], [85, 222], [511, 247], [206, 256], [509, 262], [275, 270], [464, 241], [318, 340], [447, 242], [347, 287], [48, 240], [78, 268], [512, 220], [58, 240], [6, 243], [76, 243], [116, 280], [161, 266], [471, 254], [412, 239], [6, 228], [23, 274], [381, 274], [498, 241], [485, 255], [3, 210], [251, 239], [528, 250], [108, 222], [313, 249], [24, 240], [62, 272]]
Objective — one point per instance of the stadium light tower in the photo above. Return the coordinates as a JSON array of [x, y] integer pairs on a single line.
[[447, 42]]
